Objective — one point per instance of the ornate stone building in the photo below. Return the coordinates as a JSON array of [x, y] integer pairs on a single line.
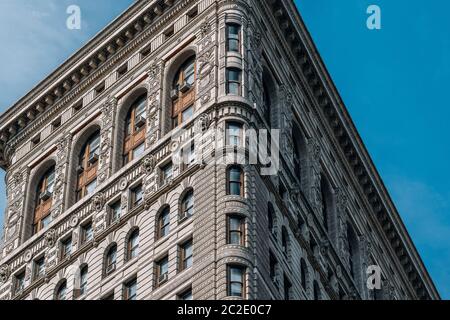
[[98, 208]]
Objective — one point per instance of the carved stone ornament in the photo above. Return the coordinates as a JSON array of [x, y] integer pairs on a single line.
[[73, 220], [123, 184], [153, 71], [202, 123], [98, 201], [149, 164], [50, 238], [4, 273], [28, 255], [204, 28]]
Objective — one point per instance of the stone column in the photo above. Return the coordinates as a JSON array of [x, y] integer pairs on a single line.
[[61, 174], [154, 107], [106, 140], [15, 211]]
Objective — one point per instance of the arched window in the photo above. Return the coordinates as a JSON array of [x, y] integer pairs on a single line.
[[299, 151], [327, 204], [187, 205], [303, 272], [235, 181], [163, 223], [61, 291], [353, 249], [83, 279], [285, 241], [110, 260], [135, 129], [271, 219], [316, 291], [133, 245], [183, 93], [81, 282], [43, 201], [87, 166], [270, 97]]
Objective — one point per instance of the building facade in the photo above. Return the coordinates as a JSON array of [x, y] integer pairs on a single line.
[[99, 205]]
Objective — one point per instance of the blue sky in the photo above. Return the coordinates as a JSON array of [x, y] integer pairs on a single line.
[[393, 82]]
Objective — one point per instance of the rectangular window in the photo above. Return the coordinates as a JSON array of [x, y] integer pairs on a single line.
[[187, 114], [273, 268], [233, 81], [86, 232], [186, 258], [100, 88], [137, 196], [39, 268], [287, 289], [19, 283], [186, 295], [233, 37], [168, 33], [122, 70], [236, 230], [66, 248], [35, 141], [234, 134], [236, 281], [192, 13], [130, 290], [138, 151], [91, 187], [166, 173], [115, 210], [56, 124], [162, 271]]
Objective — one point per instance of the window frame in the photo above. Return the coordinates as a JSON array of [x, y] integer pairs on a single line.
[[42, 207], [237, 82], [242, 282], [184, 258], [233, 37], [183, 100], [241, 231], [229, 181], [161, 225], [127, 288], [87, 171], [132, 250], [134, 136]]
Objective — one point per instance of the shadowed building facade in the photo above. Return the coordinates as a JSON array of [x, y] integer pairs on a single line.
[[98, 207]]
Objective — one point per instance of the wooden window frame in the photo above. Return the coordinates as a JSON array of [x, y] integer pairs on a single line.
[[184, 100], [160, 223], [229, 182], [42, 207], [184, 208], [134, 200], [127, 288], [159, 265], [37, 264], [134, 136], [88, 171], [64, 253], [84, 232], [110, 262], [240, 231], [183, 257], [62, 285], [132, 251]]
